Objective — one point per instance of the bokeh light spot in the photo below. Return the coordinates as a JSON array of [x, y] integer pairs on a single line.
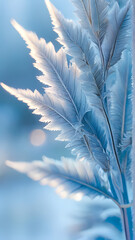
[[37, 137]]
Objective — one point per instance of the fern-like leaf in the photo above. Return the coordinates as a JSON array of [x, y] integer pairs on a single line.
[[70, 178], [89, 101], [69, 91], [117, 34], [83, 11], [99, 12], [56, 74], [74, 39], [93, 17], [120, 107], [77, 45], [119, 103], [53, 113]]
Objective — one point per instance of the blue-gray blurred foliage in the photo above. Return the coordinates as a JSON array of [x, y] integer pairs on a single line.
[[28, 211]]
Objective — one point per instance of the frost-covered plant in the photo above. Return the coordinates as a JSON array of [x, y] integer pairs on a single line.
[[89, 100]]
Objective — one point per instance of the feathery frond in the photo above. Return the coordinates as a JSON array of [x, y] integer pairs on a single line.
[[83, 11], [120, 107], [74, 39], [70, 178], [89, 101], [119, 98], [53, 113], [93, 17], [117, 35], [56, 73]]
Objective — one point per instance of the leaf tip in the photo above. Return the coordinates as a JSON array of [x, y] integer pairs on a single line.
[[4, 86], [22, 167], [18, 27], [9, 163], [51, 8], [15, 24], [48, 4], [7, 88]]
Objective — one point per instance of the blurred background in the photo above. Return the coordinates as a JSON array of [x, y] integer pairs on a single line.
[[28, 211]]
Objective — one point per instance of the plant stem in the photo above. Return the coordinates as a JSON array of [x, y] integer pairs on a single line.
[[126, 214], [125, 207]]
